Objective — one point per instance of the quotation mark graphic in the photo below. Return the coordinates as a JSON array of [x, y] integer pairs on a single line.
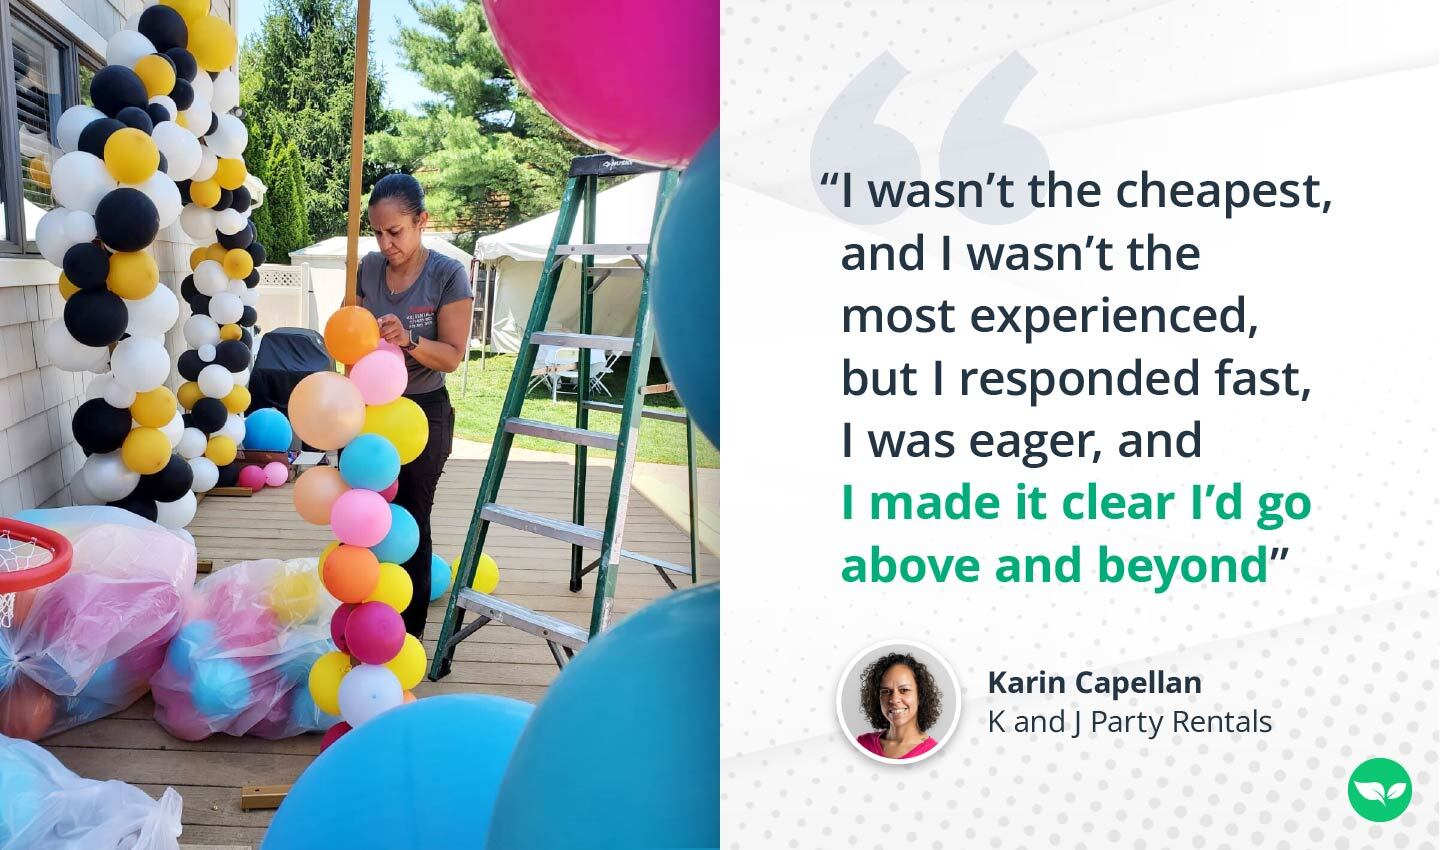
[[1379, 790], [977, 141]]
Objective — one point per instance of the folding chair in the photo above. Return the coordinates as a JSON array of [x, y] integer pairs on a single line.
[[602, 363]]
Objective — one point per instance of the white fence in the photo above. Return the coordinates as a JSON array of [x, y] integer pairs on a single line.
[[287, 297]]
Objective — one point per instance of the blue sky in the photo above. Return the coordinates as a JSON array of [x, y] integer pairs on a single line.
[[402, 88]]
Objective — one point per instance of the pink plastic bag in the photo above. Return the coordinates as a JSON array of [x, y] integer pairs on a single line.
[[89, 642], [240, 663]]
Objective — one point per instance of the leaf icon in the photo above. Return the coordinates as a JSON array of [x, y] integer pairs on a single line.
[[1395, 791], [1374, 791]]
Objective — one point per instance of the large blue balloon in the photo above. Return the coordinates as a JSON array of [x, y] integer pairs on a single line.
[[439, 577], [685, 288], [370, 462], [421, 775], [577, 779], [401, 541], [267, 430]]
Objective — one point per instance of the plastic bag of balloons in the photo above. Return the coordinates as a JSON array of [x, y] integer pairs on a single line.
[[240, 663], [86, 645], [43, 804]]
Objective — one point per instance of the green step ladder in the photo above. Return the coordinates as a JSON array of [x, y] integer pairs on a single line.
[[565, 638]]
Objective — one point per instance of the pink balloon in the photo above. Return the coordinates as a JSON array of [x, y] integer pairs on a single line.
[[276, 473], [375, 632], [391, 348], [655, 98], [253, 477], [380, 377], [337, 625], [360, 518], [388, 494], [333, 734]]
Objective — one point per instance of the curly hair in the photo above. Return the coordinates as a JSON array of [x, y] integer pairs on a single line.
[[931, 697]]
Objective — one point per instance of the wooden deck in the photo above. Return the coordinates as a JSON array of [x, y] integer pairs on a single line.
[[534, 571]]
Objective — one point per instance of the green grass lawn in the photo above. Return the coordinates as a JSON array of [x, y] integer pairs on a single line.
[[478, 411]]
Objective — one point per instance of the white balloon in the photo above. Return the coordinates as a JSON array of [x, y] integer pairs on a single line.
[[368, 691], [198, 223], [242, 378], [192, 443], [210, 278], [170, 106], [51, 237], [216, 381], [153, 315], [201, 330], [237, 287], [80, 493], [234, 427], [204, 86], [230, 137], [126, 47], [140, 363], [226, 308], [97, 385], [207, 353], [116, 395], [79, 226], [225, 94], [197, 117], [208, 164], [68, 353], [205, 472], [229, 222], [181, 150], [183, 535], [250, 297], [107, 477], [73, 121], [176, 514], [163, 193], [174, 429], [79, 180]]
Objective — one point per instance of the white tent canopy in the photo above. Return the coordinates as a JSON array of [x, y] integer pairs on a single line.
[[326, 262], [623, 215]]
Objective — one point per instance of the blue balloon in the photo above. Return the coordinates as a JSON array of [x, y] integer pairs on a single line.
[[195, 637], [402, 541], [267, 430], [221, 688], [370, 462], [669, 652], [685, 289], [439, 577], [421, 775], [106, 685]]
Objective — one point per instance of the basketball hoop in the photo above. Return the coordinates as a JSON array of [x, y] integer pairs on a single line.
[[30, 557]]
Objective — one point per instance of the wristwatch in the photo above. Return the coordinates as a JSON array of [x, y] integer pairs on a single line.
[[413, 344]]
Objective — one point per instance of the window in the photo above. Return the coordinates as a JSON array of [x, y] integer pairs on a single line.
[[47, 69]]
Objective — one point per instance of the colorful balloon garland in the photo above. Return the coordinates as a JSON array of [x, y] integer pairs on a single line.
[[158, 146]]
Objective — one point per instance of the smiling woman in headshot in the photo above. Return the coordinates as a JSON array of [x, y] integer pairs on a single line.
[[900, 700]]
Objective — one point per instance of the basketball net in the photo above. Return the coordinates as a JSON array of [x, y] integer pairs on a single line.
[[17, 555]]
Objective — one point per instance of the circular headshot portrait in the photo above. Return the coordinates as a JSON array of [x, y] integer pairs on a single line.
[[899, 702]]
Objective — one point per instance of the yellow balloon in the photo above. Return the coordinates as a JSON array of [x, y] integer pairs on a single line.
[[212, 40], [153, 408], [231, 332], [237, 400], [131, 155], [188, 9], [205, 193], [156, 72], [394, 588], [238, 263], [293, 597], [220, 450], [133, 274], [325, 678], [403, 423], [182, 120], [330, 547], [230, 174], [487, 573], [67, 288], [189, 393], [145, 450], [40, 172], [197, 257], [215, 251], [409, 664]]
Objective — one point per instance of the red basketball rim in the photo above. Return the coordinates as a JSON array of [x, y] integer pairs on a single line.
[[14, 581]]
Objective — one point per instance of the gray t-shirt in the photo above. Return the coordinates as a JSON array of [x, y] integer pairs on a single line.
[[441, 282]]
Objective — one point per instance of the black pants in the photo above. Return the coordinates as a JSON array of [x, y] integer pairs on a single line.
[[416, 494]]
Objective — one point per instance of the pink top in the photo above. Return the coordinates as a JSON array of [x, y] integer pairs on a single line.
[[871, 742]]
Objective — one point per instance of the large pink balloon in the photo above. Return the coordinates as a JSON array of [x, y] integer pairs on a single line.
[[327, 410], [380, 377], [360, 518], [652, 92]]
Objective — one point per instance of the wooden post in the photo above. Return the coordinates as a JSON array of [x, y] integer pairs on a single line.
[[357, 148]]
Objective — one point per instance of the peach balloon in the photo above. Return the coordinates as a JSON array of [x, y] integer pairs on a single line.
[[326, 410], [316, 490], [351, 333], [27, 710], [351, 573]]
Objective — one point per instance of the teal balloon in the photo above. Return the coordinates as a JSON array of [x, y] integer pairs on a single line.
[[106, 684], [220, 688], [439, 577], [370, 462], [670, 652], [402, 541], [420, 775], [685, 289], [267, 430], [194, 638]]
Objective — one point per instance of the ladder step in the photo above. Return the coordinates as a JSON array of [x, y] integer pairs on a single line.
[[654, 562], [565, 532], [508, 613], [613, 250], [649, 412], [561, 433], [617, 271], [569, 340]]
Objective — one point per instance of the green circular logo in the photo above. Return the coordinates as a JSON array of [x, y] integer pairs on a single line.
[[1379, 790]]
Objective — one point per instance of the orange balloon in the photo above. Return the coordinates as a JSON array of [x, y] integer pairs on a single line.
[[351, 573], [409, 697], [27, 710], [326, 410], [351, 333], [316, 490]]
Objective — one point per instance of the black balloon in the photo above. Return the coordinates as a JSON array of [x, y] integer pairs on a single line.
[[214, 123], [184, 61], [209, 415], [87, 265], [97, 133], [157, 113], [187, 288], [170, 483], [248, 318], [96, 317], [136, 503], [252, 279], [200, 305], [126, 220], [189, 365], [229, 474], [257, 253], [133, 116], [184, 187], [237, 240], [233, 355], [164, 27], [224, 203], [100, 428], [164, 165], [248, 338], [241, 200], [183, 94], [115, 87]]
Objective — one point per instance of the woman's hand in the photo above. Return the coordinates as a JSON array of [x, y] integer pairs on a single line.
[[393, 331]]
